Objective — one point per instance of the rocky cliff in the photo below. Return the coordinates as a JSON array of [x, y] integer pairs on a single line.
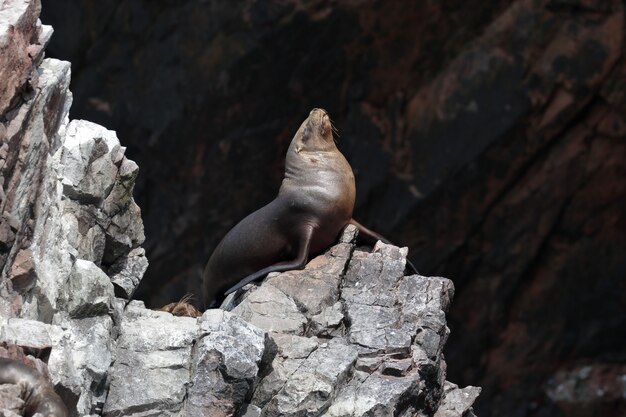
[[350, 335], [488, 137]]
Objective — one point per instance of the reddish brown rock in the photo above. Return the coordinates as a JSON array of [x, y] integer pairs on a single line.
[[16, 49]]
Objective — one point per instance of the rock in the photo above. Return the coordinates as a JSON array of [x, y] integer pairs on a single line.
[[80, 361], [27, 333], [588, 389], [272, 310], [457, 402], [225, 365], [88, 171], [382, 356], [488, 137], [310, 389], [64, 173], [20, 31], [32, 131], [152, 363], [127, 271], [88, 291], [348, 335], [376, 395]]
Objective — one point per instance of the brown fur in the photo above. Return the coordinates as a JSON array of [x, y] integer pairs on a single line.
[[182, 308]]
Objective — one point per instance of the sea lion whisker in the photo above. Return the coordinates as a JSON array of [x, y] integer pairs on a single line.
[[186, 298], [336, 134]]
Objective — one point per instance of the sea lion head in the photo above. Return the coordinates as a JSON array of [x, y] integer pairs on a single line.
[[315, 133]]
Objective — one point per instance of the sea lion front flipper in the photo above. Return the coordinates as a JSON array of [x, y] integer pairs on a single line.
[[372, 237], [298, 263]]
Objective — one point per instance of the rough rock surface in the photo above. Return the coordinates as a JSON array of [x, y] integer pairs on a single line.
[[67, 212], [70, 231], [348, 336], [487, 136], [353, 336]]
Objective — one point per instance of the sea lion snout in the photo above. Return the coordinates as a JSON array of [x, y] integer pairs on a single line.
[[319, 120], [316, 110]]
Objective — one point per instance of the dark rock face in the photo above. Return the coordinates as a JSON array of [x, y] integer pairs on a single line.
[[486, 136]]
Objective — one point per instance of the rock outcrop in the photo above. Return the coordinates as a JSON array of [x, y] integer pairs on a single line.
[[487, 136], [350, 335]]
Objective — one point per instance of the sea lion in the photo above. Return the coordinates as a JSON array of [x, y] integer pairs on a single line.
[[313, 205], [37, 392]]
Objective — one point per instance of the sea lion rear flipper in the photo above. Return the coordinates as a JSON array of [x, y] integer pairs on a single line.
[[371, 237], [298, 263]]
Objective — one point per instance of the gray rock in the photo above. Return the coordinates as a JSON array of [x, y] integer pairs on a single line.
[[291, 351], [252, 411], [395, 327], [80, 359], [127, 271], [377, 328], [272, 310], [152, 364], [377, 395], [311, 388], [457, 402], [294, 347], [87, 171], [317, 287], [33, 130], [327, 321], [225, 364], [26, 333], [87, 292], [83, 204]]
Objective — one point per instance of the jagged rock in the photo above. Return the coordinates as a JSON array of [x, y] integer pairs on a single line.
[[127, 271], [152, 363], [32, 132], [80, 361], [310, 389], [349, 335], [376, 395], [487, 136], [88, 157], [88, 291], [20, 41], [95, 172], [271, 309], [390, 359], [225, 364], [26, 333], [67, 174], [457, 402]]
